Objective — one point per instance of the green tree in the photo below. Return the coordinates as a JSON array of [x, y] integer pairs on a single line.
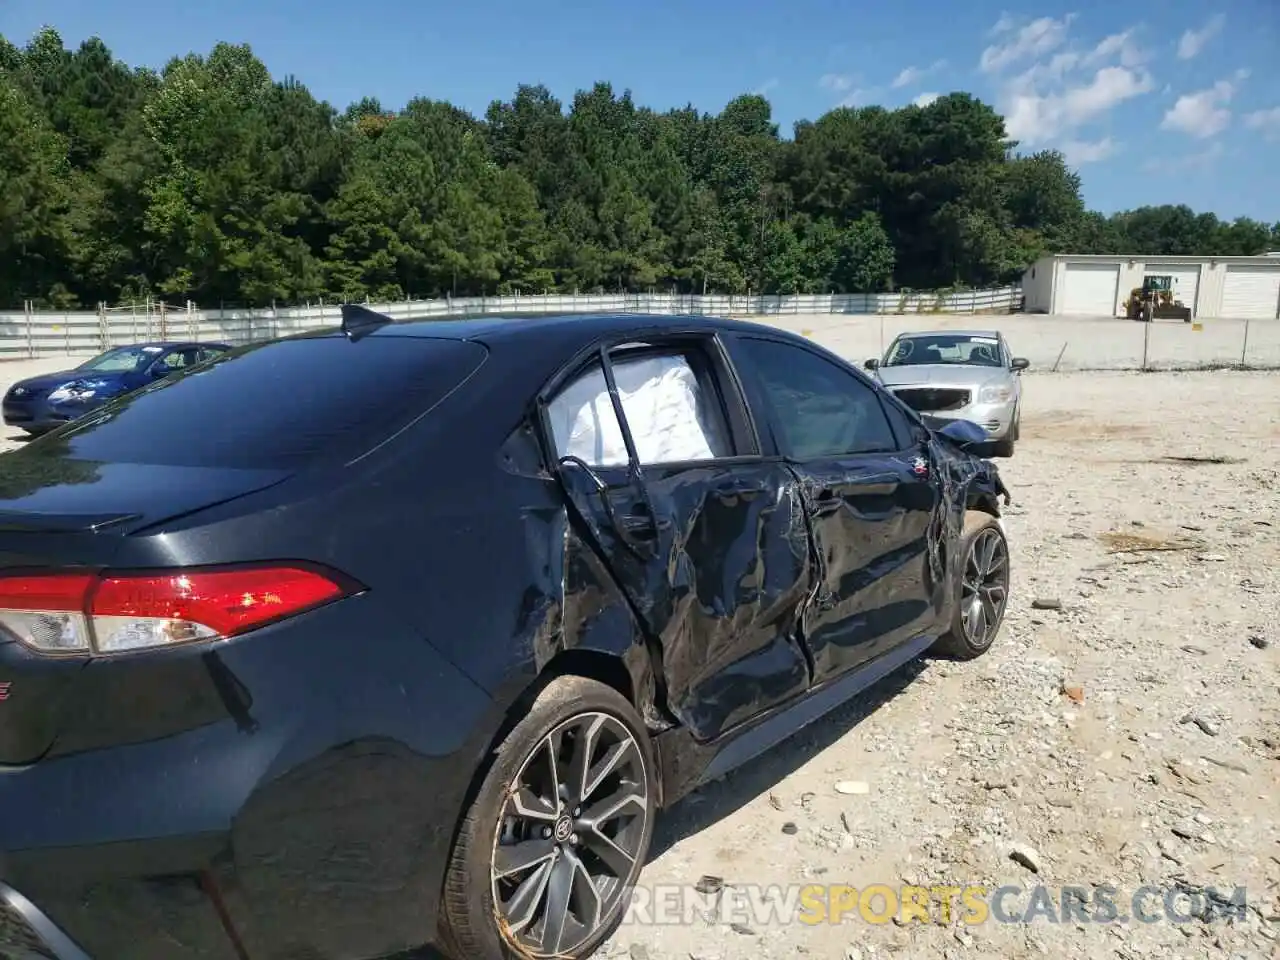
[[214, 181]]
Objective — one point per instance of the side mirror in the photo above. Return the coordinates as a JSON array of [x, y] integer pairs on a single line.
[[872, 364], [965, 434], [1019, 363]]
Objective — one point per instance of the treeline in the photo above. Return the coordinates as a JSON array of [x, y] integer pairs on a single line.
[[210, 181]]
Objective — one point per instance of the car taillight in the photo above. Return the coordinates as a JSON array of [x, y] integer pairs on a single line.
[[117, 612]]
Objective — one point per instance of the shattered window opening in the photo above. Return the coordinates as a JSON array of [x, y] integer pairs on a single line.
[[674, 417]]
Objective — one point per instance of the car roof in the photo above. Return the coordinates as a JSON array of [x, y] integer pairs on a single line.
[[519, 326], [993, 334], [562, 329]]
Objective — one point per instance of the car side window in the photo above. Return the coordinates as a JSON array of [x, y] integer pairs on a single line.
[[208, 353], [673, 413], [902, 421], [820, 410], [177, 359]]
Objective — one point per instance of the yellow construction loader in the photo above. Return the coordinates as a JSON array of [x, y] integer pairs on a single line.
[[1154, 300]]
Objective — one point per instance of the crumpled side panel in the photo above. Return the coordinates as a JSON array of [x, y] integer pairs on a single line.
[[719, 586], [966, 483]]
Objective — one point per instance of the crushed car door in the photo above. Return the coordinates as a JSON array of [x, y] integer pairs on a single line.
[[870, 499], [706, 538]]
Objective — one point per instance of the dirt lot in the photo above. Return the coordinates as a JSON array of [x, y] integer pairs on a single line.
[[1129, 736], [1165, 772]]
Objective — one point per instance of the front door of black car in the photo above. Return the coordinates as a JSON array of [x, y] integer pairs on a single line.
[[870, 499], [707, 542]]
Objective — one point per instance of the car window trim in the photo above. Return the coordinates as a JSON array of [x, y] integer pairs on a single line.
[[902, 444], [660, 341]]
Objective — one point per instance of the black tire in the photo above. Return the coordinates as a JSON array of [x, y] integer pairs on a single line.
[[476, 923], [960, 641], [1003, 448]]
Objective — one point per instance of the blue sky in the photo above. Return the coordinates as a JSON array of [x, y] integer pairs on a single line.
[[1156, 101]]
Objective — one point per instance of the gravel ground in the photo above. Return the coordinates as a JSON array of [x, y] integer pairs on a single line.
[[1158, 765], [1127, 736]]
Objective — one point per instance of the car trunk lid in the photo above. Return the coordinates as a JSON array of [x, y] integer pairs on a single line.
[[59, 513]]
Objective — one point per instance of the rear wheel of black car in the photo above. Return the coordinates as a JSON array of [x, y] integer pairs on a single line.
[[982, 588], [550, 850]]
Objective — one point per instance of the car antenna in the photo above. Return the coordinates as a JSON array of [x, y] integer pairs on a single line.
[[358, 321]]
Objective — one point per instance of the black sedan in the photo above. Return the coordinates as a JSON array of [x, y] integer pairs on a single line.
[[41, 403], [359, 640]]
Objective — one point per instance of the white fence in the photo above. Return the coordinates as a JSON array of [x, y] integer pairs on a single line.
[[42, 333]]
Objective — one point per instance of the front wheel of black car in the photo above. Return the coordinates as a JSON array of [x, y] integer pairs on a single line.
[[982, 588], [550, 850]]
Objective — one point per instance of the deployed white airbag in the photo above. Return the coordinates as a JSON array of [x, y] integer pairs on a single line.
[[660, 400]]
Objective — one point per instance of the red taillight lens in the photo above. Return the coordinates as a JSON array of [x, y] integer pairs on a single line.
[[69, 613], [55, 591]]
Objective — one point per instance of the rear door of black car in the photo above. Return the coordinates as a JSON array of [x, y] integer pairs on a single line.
[[870, 498], [706, 537]]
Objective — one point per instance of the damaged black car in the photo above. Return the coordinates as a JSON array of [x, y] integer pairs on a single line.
[[400, 634]]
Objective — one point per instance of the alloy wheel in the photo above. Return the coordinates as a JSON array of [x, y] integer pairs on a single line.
[[570, 835], [984, 589]]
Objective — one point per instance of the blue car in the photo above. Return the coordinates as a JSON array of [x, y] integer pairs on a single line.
[[39, 404]]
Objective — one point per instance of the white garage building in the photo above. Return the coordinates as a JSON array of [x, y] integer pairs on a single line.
[[1098, 285]]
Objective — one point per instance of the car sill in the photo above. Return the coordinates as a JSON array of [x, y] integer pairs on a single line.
[[773, 730]]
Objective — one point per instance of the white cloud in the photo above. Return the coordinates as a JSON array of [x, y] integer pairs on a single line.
[[858, 98], [925, 99], [1034, 117], [770, 84], [1203, 114], [845, 86], [1051, 71], [1266, 122], [914, 74], [1200, 160], [1080, 152], [1036, 39], [1193, 41], [907, 77], [1121, 46], [1051, 86], [1004, 24]]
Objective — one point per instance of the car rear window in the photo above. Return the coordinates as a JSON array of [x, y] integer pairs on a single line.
[[281, 404]]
